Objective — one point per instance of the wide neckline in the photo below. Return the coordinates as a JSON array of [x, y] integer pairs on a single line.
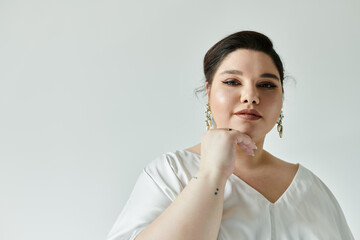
[[283, 195], [286, 192]]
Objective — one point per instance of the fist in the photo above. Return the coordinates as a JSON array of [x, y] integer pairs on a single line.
[[218, 149]]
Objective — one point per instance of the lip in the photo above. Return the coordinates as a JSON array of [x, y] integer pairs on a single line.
[[248, 117], [247, 112]]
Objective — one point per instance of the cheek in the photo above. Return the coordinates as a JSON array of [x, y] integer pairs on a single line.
[[223, 99], [222, 105], [272, 107]]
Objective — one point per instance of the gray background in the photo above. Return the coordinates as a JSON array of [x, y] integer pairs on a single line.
[[92, 91]]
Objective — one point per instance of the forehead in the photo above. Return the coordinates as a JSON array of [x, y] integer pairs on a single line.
[[248, 61]]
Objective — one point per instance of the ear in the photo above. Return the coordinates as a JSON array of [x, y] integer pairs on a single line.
[[208, 87]]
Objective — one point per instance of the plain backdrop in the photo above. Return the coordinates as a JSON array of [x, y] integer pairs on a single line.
[[92, 91]]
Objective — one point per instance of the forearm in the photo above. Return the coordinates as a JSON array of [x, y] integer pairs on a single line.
[[195, 214]]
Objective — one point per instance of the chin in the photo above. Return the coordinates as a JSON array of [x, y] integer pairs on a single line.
[[250, 131]]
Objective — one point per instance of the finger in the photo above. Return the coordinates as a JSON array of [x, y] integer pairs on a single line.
[[246, 139], [241, 137], [247, 150]]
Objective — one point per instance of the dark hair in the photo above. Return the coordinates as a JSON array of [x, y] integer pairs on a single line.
[[245, 40]]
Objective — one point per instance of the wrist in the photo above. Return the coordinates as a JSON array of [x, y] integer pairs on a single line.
[[213, 175]]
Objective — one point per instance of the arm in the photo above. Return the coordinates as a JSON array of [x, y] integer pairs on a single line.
[[195, 214]]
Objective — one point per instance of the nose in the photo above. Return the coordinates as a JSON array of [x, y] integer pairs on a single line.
[[250, 95]]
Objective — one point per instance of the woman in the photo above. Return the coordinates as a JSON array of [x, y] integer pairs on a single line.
[[229, 187]]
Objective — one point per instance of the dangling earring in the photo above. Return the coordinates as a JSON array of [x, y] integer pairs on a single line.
[[209, 123], [280, 126]]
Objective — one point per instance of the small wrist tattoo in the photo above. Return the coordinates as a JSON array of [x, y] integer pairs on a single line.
[[216, 191], [195, 177]]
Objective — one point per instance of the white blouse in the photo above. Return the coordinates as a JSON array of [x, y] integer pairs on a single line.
[[307, 210]]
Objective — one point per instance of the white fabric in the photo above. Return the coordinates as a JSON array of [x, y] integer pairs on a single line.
[[307, 210]]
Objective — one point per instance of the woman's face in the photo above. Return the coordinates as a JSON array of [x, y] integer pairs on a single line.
[[246, 79]]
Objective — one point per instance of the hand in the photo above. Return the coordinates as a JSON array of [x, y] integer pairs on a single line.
[[218, 150]]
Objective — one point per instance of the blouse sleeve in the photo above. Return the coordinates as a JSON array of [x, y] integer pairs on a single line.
[[337, 215], [156, 188]]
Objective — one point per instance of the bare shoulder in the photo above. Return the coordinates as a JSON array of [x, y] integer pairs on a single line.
[[195, 149]]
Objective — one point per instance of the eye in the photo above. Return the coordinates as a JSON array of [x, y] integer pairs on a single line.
[[231, 82], [268, 85]]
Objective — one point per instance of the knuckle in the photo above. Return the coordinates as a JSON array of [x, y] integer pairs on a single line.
[[227, 137]]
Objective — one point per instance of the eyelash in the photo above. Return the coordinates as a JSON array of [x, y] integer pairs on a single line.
[[231, 83]]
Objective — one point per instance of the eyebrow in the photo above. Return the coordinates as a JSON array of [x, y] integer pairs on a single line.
[[264, 75]]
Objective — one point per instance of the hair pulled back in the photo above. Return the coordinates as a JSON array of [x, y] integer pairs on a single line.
[[240, 40]]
